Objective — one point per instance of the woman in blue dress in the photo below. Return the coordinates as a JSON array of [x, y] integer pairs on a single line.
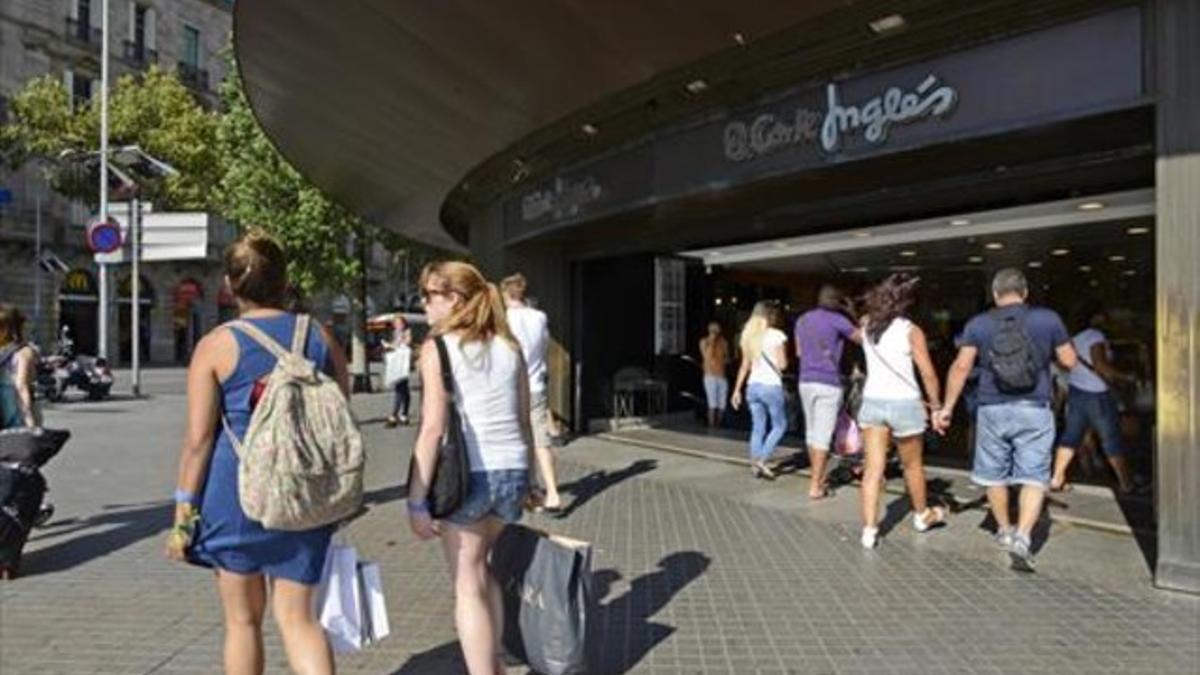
[[225, 378]]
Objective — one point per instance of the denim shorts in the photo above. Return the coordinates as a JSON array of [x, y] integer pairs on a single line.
[[493, 493], [905, 417], [1014, 444], [1097, 410]]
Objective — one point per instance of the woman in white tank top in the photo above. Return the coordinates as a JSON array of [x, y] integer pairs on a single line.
[[491, 394], [892, 407]]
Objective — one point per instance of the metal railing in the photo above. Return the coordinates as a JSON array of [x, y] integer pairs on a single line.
[[193, 76], [138, 52]]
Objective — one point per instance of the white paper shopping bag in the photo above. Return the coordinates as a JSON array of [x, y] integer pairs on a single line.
[[375, 618], [341, 600]]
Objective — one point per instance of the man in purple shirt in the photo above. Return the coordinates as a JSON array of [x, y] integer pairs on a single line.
[[821, 333]]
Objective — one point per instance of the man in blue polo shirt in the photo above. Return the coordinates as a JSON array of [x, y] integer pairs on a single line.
[[1015, 344]]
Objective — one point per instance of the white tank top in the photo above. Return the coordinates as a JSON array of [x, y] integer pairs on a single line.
[[486, 378], [890, 373]]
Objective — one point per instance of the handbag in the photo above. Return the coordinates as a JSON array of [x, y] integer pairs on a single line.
[[546, 584], [397, 365], [452, 465]]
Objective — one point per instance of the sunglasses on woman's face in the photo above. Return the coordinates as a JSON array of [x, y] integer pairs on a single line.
[[428, 293]]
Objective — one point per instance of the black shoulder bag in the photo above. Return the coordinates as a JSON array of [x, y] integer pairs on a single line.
[[452, 465]]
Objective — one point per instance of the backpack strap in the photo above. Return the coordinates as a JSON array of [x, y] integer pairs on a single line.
[[300, 335], [255, 333]]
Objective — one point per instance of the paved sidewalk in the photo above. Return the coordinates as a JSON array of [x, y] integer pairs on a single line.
[[699, 570]]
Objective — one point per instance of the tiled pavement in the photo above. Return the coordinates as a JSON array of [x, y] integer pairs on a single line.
[[700, 571]]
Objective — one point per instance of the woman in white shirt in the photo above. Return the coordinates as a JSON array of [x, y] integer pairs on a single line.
[[764, 358], [491, 395], [892, 407]]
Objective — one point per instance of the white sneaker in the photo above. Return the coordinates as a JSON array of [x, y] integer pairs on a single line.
[[870, 537], [932, 517], [1004, 538]]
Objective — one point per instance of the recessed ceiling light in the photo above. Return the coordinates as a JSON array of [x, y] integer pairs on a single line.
[[908, 253], [1085, 268], [862, 234], [1130, 273], [715, 254], [975, 259], [859, 270], [1137, 230], [589, 129], [739, 38], [993, 245], [1091, 206], [781, 244], [718, 302], [1117, 258], [1060, 251], [1093, 283], [887, 24], [960, 221], [1035, 264], [696, 86]]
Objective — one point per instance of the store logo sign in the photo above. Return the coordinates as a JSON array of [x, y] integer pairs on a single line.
[[565, 198], [769, 133]]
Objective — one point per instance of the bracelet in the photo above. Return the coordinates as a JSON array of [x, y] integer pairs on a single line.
[[185, 496], [418, 507]]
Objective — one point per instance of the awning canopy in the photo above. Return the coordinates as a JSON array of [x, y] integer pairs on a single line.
[[389, 104]]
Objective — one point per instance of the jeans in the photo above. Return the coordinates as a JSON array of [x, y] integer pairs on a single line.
[[493, 493], [1097, 410], [1014, 444], [766, 401], [401, 399]]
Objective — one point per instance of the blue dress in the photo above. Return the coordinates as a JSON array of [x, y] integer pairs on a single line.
[[226, 538]]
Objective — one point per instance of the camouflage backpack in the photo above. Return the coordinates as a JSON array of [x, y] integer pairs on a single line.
[[301, 461]]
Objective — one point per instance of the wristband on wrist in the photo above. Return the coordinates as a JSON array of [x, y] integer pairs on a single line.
[[418, 507], [185, 496]]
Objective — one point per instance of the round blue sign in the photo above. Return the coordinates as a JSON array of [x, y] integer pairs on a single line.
[[104, 236]]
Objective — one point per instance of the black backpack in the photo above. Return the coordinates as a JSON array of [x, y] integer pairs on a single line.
[[1011, 357]]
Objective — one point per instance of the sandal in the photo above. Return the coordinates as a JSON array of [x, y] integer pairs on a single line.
[[932, 517], [763, 472], [824, 493], [1063, 488]]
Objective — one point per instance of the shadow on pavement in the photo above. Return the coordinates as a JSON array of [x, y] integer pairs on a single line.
[[622, 633], [587, 487], [99, 536]]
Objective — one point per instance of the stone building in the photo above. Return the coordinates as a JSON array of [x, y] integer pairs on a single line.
[[63, 38]]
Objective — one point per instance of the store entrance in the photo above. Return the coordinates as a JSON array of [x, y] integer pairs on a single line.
[[1082, 257]]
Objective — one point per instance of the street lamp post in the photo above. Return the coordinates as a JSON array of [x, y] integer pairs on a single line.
[[102, 350]]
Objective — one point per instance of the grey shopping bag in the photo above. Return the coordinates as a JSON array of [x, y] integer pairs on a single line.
[[547, 585]]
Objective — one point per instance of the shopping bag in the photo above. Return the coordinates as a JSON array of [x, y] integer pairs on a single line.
[[546, 582], [397, 364], [374, 624], [340, 599], [847, 438]]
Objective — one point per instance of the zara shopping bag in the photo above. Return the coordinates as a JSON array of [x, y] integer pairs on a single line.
[[546, 581], [350, 600]]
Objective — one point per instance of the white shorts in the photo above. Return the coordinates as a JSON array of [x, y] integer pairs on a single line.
[[539, 418], [716, 390], [821, 403]]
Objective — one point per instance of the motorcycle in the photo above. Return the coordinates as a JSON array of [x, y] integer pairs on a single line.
[[23, 453], [59, 372]]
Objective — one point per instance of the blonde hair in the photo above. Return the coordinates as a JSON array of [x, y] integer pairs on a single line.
[[481, 316], [257, 269], [761, 320]]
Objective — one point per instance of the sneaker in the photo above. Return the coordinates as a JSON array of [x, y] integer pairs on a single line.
[[404, 420], [1019, 555], [870, 537], [1004, 537]]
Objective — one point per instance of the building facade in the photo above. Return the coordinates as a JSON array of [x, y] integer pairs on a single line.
[[62, 38]]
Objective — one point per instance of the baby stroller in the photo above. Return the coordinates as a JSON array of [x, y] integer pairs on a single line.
[[23, 451]]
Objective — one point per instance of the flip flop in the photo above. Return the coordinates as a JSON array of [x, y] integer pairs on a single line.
[[1064, 488], [825, 493]]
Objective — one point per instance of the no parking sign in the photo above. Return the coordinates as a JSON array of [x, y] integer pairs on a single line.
[[104, 236]]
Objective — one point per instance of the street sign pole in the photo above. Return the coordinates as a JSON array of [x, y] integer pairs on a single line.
[[135, 329], [37, 272], [102, 348]]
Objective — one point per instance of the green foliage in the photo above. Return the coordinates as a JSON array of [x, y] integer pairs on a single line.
[[152, 110]]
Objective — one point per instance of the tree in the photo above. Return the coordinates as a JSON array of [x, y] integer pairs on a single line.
[[259, 187], [152, 110]]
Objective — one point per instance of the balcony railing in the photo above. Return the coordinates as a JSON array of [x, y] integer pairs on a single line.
[[193, 76], [80, 30], [139, 53]]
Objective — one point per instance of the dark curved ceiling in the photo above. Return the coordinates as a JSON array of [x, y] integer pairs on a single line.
[[388, 104]]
